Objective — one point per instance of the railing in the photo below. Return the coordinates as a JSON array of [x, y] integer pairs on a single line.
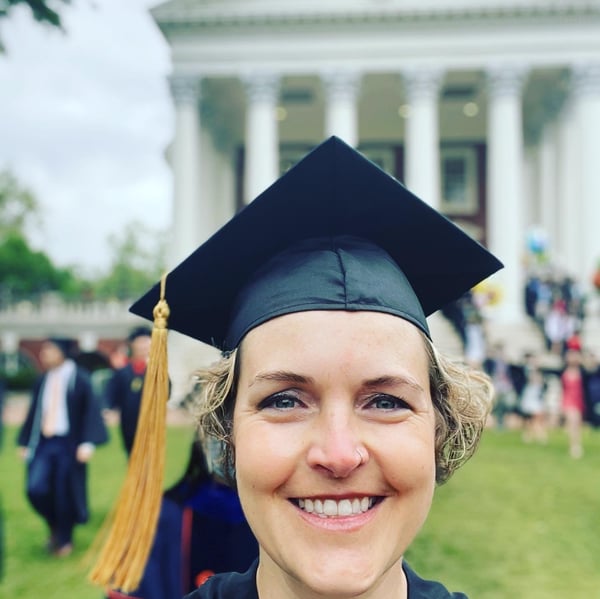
[[64, 311], [91, 320]]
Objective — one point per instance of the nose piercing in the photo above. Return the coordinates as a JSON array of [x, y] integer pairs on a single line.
[[360, 456]]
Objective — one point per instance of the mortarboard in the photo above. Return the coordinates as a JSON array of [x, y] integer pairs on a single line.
[[289, 250], [335, 232]]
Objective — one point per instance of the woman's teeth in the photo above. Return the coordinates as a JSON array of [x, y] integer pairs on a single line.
[[328, 508]]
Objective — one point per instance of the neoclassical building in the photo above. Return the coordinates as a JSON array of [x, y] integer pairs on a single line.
[[489, 110]]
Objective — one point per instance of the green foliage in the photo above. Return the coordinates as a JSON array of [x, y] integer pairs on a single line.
[[27, 274], [136, 257], [41, 10], [17, 372], [136, 263], [22, 380], [18, 206]]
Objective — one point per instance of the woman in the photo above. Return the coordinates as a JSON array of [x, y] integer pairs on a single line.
[[337, 414], [573, 400]]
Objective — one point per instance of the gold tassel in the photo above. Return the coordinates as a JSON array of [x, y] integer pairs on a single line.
[[123, 557]]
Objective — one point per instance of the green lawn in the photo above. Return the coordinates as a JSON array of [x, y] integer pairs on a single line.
[[519, 521]]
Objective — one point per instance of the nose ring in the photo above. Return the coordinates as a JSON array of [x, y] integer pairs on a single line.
[[361, 458]]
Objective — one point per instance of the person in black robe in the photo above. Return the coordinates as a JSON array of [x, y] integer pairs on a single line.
[[124, 389], [62, 427], [201, 531]]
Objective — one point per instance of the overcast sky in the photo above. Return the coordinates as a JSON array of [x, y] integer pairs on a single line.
[[84, 122]]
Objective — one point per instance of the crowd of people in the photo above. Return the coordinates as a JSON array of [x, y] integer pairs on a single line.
[[556, 303], [555, 386], [538, 398], [202, 529]]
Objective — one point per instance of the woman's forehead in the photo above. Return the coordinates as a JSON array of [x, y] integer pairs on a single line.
[[334, 336]]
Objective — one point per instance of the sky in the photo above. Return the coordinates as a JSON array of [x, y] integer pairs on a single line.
[[85, 119]]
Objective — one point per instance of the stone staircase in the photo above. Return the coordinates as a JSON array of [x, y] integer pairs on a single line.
[[518, 338]]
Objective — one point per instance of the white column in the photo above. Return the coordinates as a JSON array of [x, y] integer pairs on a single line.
[[569, 193], [422, 148], [547, 184], [341, 109], [505, 186], [261, 166], [186, 226], [9, 342], [531, 180], [586, 88]]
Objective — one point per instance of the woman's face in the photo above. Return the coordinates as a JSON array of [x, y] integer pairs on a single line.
[[317, 391]]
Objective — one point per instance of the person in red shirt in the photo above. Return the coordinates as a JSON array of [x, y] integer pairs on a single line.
[[573, 400]]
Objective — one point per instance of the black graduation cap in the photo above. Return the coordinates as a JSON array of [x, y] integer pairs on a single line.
[[334, 232]]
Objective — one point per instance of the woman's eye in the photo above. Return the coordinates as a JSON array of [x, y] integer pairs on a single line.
[[387, 402], [280, 401]]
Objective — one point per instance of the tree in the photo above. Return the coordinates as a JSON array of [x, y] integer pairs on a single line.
[[137, 262], [41, 11], [136, 256], [28, 274], [18, 206], [25, 273]]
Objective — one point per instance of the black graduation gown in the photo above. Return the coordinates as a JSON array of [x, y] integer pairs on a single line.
[[593, 397], [243, 586], [86, 425], [124, 393], [204, 533]]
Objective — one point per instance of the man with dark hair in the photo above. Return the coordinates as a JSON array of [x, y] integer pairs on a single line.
[[124, 389], [62, 427]]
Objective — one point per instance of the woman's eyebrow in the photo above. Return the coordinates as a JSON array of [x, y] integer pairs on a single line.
[[284, 376], [281, 376], [392, 380]]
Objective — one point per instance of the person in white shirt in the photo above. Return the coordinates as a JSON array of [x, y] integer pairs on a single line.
[[62, 427]]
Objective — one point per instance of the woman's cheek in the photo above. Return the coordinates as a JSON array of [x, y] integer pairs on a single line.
[[265, 452]]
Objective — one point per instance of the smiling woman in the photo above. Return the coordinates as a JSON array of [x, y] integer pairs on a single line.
[[336, 414]]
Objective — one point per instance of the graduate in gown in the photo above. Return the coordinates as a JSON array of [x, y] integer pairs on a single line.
[[62, 427], [201, 531], [124, 389], [337, 413]]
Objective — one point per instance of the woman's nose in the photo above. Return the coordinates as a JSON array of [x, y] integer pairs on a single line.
[[336, 446]]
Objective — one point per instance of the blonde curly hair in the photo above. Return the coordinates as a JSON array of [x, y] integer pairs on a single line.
[[462, 399]]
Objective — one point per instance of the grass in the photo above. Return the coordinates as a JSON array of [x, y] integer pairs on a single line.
[[28, 570], [518, 521]]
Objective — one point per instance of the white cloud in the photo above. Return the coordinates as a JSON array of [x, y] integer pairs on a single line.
[[84, 122]]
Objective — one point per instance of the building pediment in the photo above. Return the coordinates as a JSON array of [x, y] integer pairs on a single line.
[[203, 13]]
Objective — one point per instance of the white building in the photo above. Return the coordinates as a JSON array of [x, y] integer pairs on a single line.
[[487, 109]]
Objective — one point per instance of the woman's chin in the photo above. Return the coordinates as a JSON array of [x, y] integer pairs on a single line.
[[337, 584], [349, 579]]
